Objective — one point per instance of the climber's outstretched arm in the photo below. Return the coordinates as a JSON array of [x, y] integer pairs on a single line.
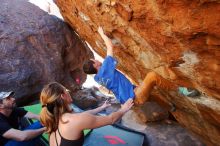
[[107, 41]]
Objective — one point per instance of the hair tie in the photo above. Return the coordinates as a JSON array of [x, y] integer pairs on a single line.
[[49, 107], [44, 105]]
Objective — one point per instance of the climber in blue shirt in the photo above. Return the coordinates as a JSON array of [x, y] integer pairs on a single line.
[[113, 80], [108, 76]]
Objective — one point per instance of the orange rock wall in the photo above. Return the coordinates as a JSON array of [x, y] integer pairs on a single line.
[[183, 35]]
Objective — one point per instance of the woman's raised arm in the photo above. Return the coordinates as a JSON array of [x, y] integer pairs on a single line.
[[89, 121]]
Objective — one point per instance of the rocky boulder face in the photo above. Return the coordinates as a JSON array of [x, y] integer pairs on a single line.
[[36, 48], [183, 36]]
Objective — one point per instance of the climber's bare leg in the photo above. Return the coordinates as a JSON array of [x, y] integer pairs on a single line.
[[142, 92]]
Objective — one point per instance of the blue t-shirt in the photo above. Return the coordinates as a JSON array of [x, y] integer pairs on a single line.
[[115, 81]]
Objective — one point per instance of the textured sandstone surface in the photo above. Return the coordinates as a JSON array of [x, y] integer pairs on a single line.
[[37, 48], [182, 35]]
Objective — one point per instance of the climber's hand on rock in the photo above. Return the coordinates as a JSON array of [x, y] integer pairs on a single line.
[[101, 32]]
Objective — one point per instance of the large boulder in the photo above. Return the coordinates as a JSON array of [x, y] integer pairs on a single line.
[[36, 48], [181, 35]]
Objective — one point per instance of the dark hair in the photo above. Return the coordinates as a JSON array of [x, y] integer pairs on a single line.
[[88, 67]]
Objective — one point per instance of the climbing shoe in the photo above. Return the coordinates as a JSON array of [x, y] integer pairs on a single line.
[[190, 92]]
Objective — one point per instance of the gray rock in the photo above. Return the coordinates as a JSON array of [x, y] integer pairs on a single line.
[[37, 48], [90, 98], [169, 134]]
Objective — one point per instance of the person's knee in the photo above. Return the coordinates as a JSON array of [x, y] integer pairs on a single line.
[[151, 76], [139, 101], [35, 125]]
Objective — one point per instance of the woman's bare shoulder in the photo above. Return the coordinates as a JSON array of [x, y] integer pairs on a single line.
[[76, 116]]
